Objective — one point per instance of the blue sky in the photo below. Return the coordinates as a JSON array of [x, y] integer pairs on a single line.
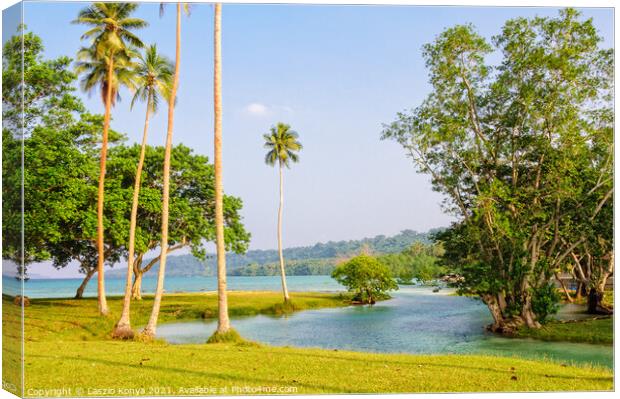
[[335, 73]]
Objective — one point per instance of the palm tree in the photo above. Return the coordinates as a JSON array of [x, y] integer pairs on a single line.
[[223, 325], [149, 330], [153, 76], [111, 25], [283, 146]]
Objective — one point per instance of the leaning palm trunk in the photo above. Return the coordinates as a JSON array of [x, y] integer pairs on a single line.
[[123, 327], [150, 328], [103, 304], [280, 208], [223, 325]]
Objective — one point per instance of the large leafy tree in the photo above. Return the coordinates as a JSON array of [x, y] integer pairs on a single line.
[[58, 137], [283, 145], [110, 33], [192, 208], [505, 145], [153, 79]]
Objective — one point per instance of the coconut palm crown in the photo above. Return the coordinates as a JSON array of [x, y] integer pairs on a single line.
[[94, 71], [153, 76], [111, 26], [283, 145]]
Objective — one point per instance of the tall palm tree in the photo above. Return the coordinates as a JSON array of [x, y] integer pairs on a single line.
[[283, 146], [223, 325], [111, 25], [149, 330], [153, 77]]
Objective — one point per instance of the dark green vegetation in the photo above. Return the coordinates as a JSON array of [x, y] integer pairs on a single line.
[[319, 259], [419, 261], [309, 267], [523, 152], [366, 277], [67, 340]]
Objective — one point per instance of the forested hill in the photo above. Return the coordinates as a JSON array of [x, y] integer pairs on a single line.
[[314, 259]]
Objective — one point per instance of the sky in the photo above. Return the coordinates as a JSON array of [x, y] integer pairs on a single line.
[[334, 73]]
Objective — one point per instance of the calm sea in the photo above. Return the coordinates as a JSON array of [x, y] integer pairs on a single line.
[[65, 288]]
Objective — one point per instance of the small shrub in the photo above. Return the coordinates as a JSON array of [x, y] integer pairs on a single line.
[[365, 276], [229, 337]]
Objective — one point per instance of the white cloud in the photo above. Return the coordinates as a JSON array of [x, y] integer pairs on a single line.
[[257, 109]]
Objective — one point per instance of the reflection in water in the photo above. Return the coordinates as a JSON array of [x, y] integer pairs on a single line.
[[414, 321]]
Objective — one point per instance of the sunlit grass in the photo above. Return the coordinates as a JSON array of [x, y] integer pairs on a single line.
[[597, 331]]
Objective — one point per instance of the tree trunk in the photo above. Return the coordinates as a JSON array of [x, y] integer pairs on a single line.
[[151, 327], [581, 291], [102, 302], [280, 208], [501, 323], [223, 324], [136, 289], [123, 327], [595, 302], [79, 294]]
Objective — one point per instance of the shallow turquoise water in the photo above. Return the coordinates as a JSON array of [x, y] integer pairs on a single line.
[[414, 321]]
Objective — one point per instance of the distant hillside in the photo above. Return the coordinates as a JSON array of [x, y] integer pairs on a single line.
[[315, 259]]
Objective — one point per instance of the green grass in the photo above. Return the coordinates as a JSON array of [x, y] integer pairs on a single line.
[[594, 331], [68, 346]]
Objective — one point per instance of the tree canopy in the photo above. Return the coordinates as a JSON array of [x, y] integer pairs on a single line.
[[517, 150], [365, 276]]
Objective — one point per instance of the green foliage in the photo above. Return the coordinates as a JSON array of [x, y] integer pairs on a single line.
[[545, 301], [521, 151], [309, 267], [367, 277], [47, 90], [58, 149], [419, 261], [191, 200]]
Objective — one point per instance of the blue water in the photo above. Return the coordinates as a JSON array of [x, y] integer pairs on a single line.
[[416, 320], [65, 288]]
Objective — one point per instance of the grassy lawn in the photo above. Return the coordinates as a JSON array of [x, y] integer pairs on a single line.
[[68, 347], [597, 331]]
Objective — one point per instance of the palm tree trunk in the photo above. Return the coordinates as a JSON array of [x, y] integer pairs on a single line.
[[103, 304], [150, 328], [123, 327], [223, 325], [280, 208]]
